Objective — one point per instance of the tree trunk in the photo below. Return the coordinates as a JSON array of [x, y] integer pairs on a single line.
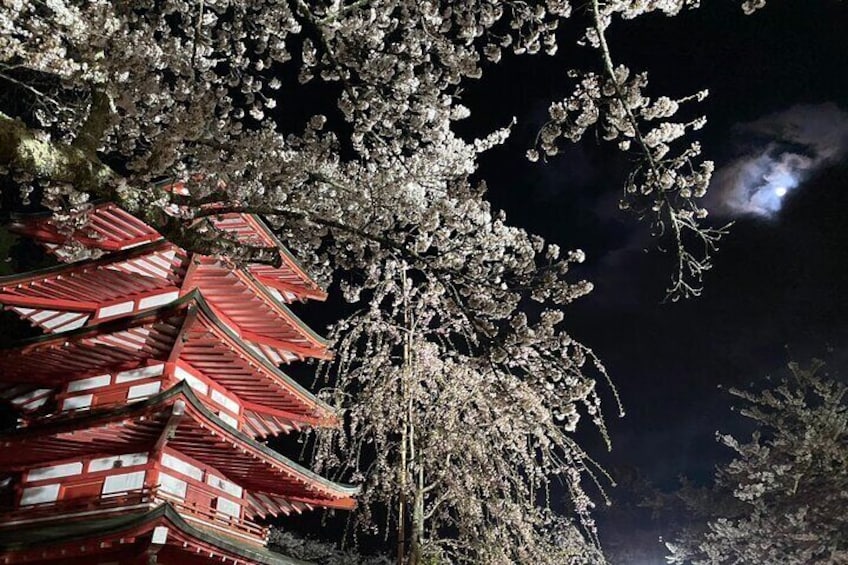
[[404, 462], [417, 534], [418, 519], [410, 543], [401, 519], [21, 150]]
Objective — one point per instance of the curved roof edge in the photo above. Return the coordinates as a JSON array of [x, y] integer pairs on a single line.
[[59, 533], [96, 417], [195, 297]]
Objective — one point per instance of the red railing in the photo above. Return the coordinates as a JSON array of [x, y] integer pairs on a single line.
[[209, 517], [197, 515], [128, 499]]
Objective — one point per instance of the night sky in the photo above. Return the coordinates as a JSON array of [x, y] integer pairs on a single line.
[[778, 131]]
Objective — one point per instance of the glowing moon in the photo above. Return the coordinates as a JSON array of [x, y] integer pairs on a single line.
[[780, 191]]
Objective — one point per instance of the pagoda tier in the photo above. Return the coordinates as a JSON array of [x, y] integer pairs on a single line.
[[140, 406], [129, 358], [135, 537], [172, 429], [69, 296], [112, 229]]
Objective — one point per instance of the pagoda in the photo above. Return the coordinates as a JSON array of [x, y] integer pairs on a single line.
[[143, 406]]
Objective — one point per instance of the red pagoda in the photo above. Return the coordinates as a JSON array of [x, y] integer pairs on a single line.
[[142, 406]]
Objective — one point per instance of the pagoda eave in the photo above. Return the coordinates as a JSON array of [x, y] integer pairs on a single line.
[[109, 229], [309, 294], [199, 434], [45, 303], [186, 330], [132, 537]]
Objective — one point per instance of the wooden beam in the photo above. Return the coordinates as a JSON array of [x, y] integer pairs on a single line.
[[170, 429], [300, 350], [47, 303], [182, 335], [289, 415]]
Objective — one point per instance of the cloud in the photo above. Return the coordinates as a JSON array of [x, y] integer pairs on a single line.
[[781, 151]]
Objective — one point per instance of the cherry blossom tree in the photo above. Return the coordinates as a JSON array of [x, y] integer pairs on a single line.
[[336, 122], [787, 488], [466, 433]]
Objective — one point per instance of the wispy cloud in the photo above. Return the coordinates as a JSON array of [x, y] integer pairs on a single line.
[[781, 151]]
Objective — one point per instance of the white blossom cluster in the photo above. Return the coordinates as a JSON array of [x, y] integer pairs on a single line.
[[789, 482], [751, 6], [170, 89]]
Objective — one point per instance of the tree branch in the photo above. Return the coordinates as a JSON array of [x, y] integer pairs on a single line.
[[99, 118], [21, 150]]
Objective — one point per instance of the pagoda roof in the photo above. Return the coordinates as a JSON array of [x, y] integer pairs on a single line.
[[258, 314], [187, 329], [45, 538], [109, 228], [250, 229], [112, 229], [65, 296], [197, 432]]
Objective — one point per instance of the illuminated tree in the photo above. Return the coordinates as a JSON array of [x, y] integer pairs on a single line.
[[787, 486], [103, 100], [469, 445]]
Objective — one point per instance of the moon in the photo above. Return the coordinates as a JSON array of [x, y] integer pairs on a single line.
[[781, 191]]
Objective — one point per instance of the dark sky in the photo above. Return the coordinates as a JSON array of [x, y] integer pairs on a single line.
[[777, 291]]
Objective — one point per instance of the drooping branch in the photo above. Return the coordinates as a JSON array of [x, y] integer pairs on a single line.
[[688, 265]]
